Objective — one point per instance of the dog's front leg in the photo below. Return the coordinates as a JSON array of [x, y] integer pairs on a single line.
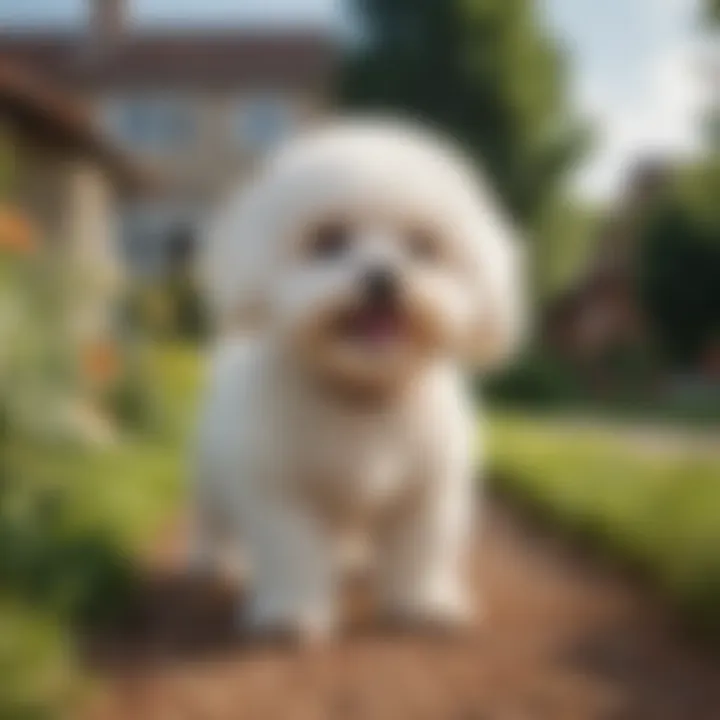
[[292, 585], [423, 560]]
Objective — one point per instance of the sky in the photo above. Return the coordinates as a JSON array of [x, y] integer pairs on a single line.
[[636, 77], [634, 65]]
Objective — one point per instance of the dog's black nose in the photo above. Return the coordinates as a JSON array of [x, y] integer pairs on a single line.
[[380, 285]]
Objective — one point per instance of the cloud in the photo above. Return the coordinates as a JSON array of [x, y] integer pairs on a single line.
[[655, 111]]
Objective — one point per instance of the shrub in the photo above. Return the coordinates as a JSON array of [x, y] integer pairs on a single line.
[[37, 377], [36, 667], [53, 557], [71, 514], [679, 268], [72, 519], [169, 307], [536, 379]]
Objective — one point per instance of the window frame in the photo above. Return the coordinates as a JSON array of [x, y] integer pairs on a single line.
[[259, 103], [157, 112]]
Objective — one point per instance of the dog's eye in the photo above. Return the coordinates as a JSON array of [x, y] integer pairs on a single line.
[[423, 244], [329, 240]]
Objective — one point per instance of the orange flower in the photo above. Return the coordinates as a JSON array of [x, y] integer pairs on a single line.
[[101, 362], [16, 231]]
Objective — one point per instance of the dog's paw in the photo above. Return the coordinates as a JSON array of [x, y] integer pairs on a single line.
[[438, 613], [300, 629]]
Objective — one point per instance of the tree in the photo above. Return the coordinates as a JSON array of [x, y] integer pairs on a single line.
[[680, 246], [713, 11], [712, 18], [680, 265], [483, 70], [565, 236]]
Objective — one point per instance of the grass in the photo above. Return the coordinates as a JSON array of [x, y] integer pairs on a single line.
[[71, 522], [658, 512]]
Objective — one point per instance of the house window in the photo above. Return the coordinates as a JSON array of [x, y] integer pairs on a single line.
[[261, 122], [150, 123], [157, 235]]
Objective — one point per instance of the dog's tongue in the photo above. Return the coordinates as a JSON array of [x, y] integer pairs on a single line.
[[378, 325]]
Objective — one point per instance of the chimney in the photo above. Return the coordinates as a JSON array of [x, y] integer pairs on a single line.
[[106, 24]]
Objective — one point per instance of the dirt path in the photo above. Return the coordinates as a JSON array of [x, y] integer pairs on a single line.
[[563, 640]]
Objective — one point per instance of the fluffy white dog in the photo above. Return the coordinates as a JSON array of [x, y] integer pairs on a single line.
[[354, 282]]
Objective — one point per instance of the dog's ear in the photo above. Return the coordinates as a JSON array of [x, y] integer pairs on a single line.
[[235, 264], [500, 285]]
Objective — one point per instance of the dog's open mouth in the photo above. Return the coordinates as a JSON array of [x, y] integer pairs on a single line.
[[374, 325]]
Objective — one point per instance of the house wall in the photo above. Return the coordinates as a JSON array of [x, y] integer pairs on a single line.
[[196, 170], [90, 234], [39, 186], [71, 202], [213, 154], [90, 223]]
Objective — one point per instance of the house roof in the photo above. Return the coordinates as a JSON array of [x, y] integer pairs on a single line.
[[179, 58], [41, 110]]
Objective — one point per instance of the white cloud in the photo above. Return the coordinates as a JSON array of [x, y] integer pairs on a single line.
[[662, 118], [653, 109]]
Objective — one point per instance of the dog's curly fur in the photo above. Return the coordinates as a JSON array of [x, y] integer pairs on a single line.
[[337, 400]]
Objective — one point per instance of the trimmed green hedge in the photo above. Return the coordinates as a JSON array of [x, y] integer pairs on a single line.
[[656, 510]]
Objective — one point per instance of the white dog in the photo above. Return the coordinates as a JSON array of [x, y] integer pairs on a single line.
[[354, 282]]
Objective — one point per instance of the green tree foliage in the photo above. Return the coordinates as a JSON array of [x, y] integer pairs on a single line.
[[680, 262], [712, 19], [713, 11], [680, 265], [484, 70], [566, 231]]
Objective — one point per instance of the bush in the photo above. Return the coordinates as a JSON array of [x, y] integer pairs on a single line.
[[536, 379], [72, 518], [170, 308], [679, 267], [37, 376], [72, 514], [132, 397], [54, 559], [36, 666]]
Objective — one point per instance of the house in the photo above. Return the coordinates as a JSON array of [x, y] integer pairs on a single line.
[[59, 171], [60, 183], [601, 313], [198, 107]]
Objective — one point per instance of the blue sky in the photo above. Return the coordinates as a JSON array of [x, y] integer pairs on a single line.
[[636, 76], [633, 72], [190, 11]]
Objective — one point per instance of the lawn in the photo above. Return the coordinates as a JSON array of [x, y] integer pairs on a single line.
[[71, 521], [655, 509]]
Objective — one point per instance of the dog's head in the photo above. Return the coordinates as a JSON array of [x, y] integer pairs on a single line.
[[368, 248]]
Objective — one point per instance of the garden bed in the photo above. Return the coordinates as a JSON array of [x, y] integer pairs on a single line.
[[72, 519]]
